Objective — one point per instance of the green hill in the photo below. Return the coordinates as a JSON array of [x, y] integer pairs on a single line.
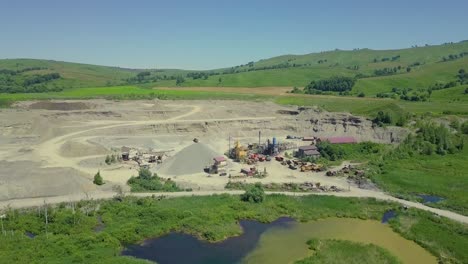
[[72, 75], [377, 71], [427, 66]]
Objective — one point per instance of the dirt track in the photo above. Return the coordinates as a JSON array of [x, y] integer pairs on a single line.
[[33, 202]]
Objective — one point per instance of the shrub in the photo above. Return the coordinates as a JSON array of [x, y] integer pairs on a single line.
[[329, 151], [98, 179], [382, 118], [146, 181], [108, 160], [254, 194], [144, 173]]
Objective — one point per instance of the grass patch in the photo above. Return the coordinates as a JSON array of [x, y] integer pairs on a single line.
[[340, 251], [4, 103], [444, 238], [128, 93], [444, 176]]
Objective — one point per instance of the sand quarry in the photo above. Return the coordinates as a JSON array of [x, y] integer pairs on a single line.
[[54, 148]]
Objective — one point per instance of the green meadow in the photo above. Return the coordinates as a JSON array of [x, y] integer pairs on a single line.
[[125, 92], [443, 176]]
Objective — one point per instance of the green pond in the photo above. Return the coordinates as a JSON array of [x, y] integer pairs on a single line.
[[285, 245]]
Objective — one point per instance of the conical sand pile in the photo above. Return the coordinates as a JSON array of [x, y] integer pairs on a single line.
[[189, 160]]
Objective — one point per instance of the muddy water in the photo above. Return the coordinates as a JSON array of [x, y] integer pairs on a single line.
[[282, 241], [284, 245]]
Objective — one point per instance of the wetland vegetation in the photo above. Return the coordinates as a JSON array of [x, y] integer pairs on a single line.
[[70, 229]]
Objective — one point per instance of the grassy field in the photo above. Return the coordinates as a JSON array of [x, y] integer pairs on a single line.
[[444, 102], [126, 92], [448, 101], [276, 77], [444, 176], [70, 236], [339, 251]]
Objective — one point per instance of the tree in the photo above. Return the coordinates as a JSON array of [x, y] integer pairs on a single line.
[[296, 90], [179, 80], [141, 75], [466, 91], [108, 160], [361, 94], [462, 76], [455, 124], [254, 194], [144, 173], [98, 179], [329, 151], [408, 69], [382, 118], [464, 128]]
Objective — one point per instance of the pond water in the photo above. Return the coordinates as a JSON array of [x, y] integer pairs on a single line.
[[100, 226], [430, 198], [182, 248], [30, 235], [287, 245], [282, 241], [388, 215]]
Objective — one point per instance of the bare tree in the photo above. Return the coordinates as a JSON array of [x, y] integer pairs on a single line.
[[46, 219]]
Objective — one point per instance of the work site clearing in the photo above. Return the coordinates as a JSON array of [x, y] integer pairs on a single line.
[[58, 147], [51, 154]]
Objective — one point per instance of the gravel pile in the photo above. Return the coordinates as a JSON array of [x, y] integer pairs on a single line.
[[189, 160]]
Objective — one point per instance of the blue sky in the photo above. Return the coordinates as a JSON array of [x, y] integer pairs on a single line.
[[207, 34]]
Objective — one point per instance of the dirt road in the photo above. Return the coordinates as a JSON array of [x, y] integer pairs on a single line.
[[33, 202]]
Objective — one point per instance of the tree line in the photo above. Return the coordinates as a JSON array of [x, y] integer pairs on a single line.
[[452, 57], [15, 82], [394, 58], [387, 71], [15, 72], [431, 138], [407, 94], [333, 84]]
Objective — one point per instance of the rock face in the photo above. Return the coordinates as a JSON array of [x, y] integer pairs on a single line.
[[342, 124], [307, 123]]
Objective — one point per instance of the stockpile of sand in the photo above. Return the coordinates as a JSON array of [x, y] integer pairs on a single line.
[[73, 149], [189, 160]]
